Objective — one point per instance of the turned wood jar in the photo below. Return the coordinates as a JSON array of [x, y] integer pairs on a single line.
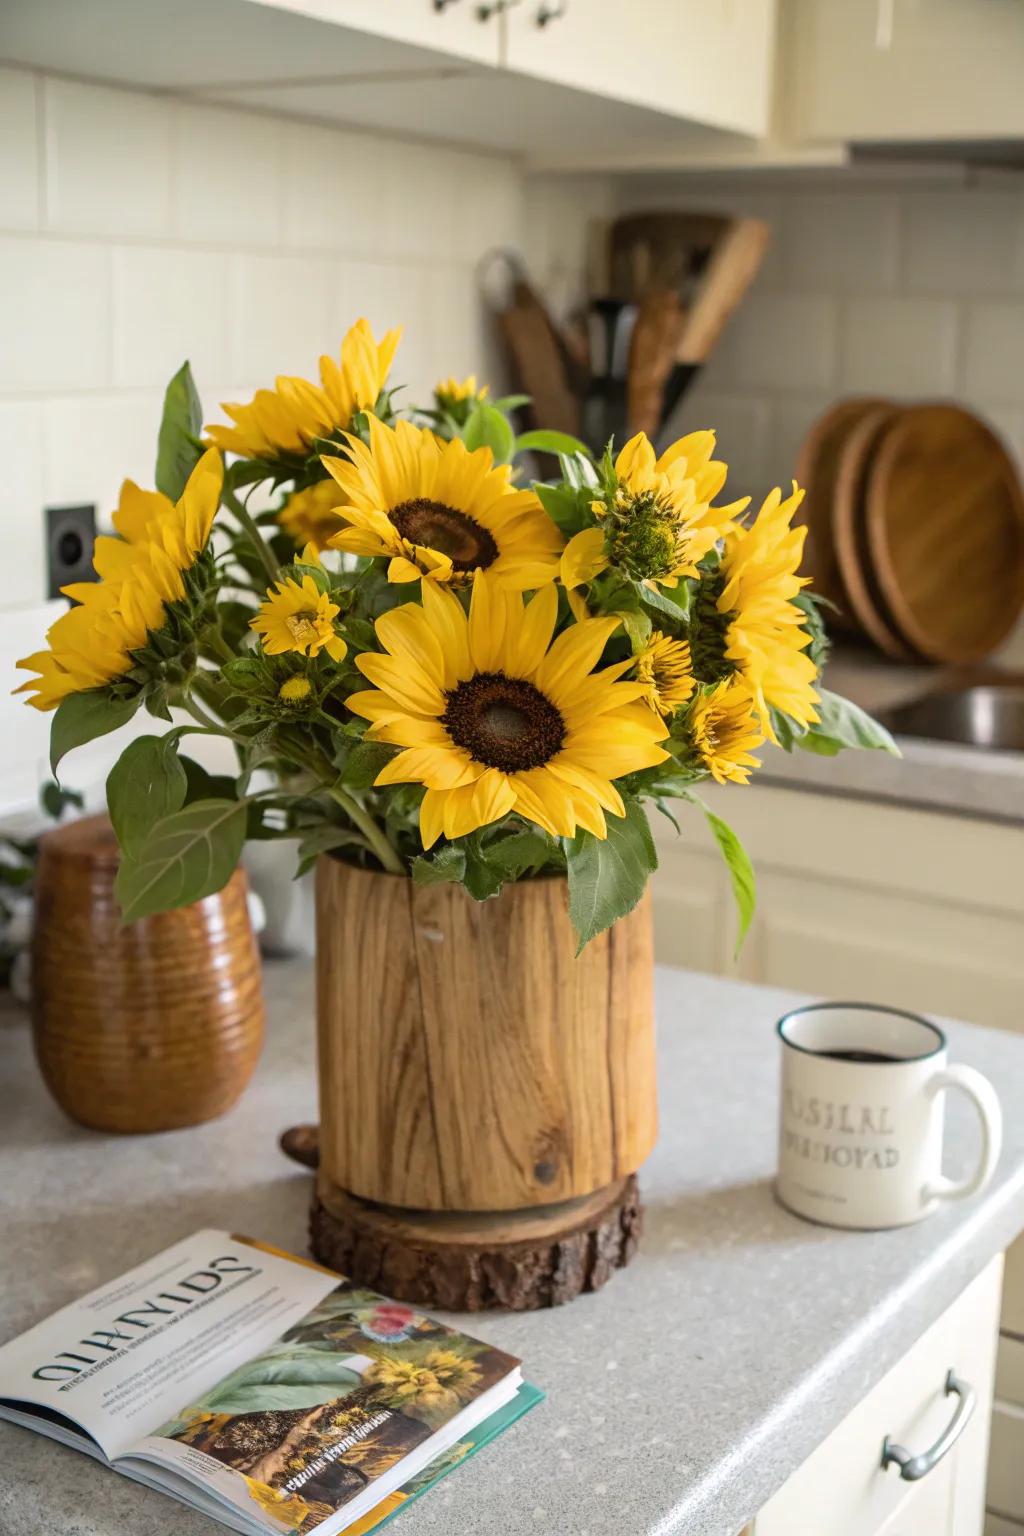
[[486, 1096], [145, 1026]]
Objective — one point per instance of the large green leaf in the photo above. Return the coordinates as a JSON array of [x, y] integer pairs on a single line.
[[607, 876], [364, 763], [146, 784], [545, 441], [190, 855], [324, 840], [844, 724], [741, 873], [488, 428], [178, 450], [83, 717], [446, 865], [304, 1381]]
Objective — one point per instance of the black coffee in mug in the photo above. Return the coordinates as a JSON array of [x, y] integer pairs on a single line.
[[859, 1056]]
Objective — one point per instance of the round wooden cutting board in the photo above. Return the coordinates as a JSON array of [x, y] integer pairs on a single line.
[[944, 514], [849, 532], [817, 467]]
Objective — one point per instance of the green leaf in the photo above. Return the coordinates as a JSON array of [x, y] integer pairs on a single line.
[[83, 717], [244, 674], [741, 873], [550, 442], [675, 602], [578, 471], [482, 879], [324, 840], [55, 800], [202, 785], [511, 402], [267, 1384], [146, 784], [190, 855], [522, 852], [637, 626], [488, 428], [608, 877], [844, 724], [178, 451], [562, 506], [364, 763], [448, 864]]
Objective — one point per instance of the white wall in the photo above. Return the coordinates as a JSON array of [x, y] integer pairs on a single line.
[[906, 292]]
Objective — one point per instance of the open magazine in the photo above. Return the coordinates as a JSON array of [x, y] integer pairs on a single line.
[[260, 1389]]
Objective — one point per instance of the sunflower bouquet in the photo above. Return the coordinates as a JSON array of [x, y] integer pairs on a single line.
[[424, 663]]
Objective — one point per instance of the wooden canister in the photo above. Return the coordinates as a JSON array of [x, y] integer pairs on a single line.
[[480, 1083], [146, 1026]]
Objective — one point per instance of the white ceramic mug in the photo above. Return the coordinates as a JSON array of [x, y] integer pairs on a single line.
[[861, 1122]]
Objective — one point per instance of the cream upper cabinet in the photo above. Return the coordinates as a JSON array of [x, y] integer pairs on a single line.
[[708, 61], [453, 27], [901, 70]]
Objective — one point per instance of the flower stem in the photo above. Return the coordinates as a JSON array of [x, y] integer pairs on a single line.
[[248, 522], [375, 835]]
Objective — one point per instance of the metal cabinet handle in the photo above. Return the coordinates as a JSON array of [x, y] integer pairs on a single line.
[[548, 13], [912, 1468], [442, 5], [494, 8]]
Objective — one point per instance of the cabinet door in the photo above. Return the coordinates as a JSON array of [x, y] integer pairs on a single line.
[[455, 28], [905, 70], [710, 61]]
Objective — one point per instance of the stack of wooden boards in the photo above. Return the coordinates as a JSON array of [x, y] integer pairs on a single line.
[[915, 527]]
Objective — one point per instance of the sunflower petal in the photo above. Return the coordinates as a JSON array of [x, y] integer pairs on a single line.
[[583, 558]]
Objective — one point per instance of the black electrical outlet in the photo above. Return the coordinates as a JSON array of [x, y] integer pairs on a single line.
[[70, 536]]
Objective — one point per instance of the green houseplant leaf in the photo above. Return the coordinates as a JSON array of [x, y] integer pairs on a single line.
[[607, 876], [488, 428], [147, 783], [844, 724], [741, 873], [83, 717], [178, 449], [188, 856], [544, 441]]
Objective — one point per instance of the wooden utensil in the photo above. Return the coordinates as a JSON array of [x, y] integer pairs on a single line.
[[144, 1026], [850, 534], [543, 363], [945, 532], [659, 323], [816, 470]]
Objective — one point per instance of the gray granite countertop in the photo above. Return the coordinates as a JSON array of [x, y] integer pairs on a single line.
[[679, 1398], [931, 775]]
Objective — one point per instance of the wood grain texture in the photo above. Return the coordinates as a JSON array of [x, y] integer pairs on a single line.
[[849, 532], [468, 1062], [945, 531], [523, 1260], [146, 1026], [816, 470]]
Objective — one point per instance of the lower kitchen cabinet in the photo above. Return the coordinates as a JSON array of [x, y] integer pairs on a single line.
[[842, 1489]]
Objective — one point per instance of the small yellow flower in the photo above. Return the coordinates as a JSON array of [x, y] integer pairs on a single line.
[[309, 516], [297, 616], [724, 731], [452, 392], [295, 690], [663, 666]]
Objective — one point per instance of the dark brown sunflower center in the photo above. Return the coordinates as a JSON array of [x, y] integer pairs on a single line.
[[466, 542], [503, 722]]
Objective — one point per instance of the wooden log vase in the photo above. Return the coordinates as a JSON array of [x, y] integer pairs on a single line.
[[145, 1026], [485, 1096]]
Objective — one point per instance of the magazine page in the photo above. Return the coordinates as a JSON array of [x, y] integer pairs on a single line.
[[353, 1400], [120, 1362]]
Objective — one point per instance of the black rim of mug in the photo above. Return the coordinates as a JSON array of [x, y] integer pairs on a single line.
[[899, 1013]]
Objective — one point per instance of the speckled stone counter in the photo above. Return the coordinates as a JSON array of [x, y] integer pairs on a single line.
[[679, 1398]]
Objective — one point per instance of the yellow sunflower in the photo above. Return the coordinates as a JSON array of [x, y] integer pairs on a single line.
[[93, 643], [664, 669], [297, 616], [440, 511], [658, 522], [309, 515], [724, 732], [764, 637], [286, 419], [460, 389], [443, 1379], [494, 717]]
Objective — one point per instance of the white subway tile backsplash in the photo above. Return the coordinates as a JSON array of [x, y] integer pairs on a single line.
[[21, 495], [786, 341], [741, 425], [389, 294], [842, 241], [337, 189], [169, 306], [994, 351], [899, 346], [54, 314], [20, 168], [281, 315], [92, 443], [228, 176], [108, 160], [961, 242]]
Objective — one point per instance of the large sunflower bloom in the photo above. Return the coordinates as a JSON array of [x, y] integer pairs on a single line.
[[309, 516], [441, 511], [493, 717], [659, 521], [93, 644], [297, 616], [764, 635], [724, 732], [286, 419]]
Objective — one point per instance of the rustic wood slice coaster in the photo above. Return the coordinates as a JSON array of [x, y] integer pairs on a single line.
[[473, 1261], [850, 533], [945, 532], [817, 468]]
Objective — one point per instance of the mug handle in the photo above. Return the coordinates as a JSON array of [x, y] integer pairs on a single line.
[[982, 1094]]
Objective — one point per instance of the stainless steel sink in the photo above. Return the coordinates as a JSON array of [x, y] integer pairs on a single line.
[[989, 715]]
